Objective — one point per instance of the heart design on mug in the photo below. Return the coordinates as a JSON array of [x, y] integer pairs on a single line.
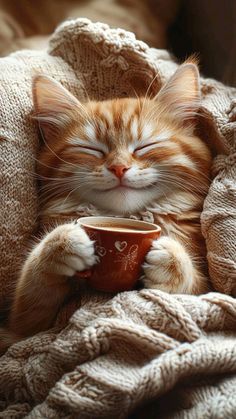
[[101, 251], [120, 246]]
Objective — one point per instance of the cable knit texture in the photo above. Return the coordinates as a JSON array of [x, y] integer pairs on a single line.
[[107, 355]]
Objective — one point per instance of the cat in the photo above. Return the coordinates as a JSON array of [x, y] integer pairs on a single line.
[[123, 156]]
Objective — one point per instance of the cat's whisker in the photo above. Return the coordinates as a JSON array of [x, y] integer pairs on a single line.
[[169, 167], [147, 91], [42, 177], [45, 165], [59, 189], [54, 189], [191, 189], [187, 182], [53, 152], [71, 192]]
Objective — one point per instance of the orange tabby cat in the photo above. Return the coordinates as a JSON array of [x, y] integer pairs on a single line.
[[123, 156]]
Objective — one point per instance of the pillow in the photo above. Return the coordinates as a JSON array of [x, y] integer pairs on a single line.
[[92, 59]]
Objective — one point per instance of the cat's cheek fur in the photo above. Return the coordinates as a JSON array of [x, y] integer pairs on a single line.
[[168, 267]]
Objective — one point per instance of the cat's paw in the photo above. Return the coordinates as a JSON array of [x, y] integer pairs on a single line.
[[67, 249], [168, 267]]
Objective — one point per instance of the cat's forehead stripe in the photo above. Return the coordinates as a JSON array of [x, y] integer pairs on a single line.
[[147, 131], [128, 116], [90, 132], [158, 137], [134, 128], [106, 117]]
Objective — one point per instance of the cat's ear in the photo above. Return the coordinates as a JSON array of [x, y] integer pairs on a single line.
[[54, 106], [180, 96]]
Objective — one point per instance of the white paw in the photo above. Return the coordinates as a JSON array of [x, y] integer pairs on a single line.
[[168, 267], [67, 249]]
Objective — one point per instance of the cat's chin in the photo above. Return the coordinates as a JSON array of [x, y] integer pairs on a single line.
[[123, 200]]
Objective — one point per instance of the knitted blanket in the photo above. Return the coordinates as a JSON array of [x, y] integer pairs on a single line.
[[108, 355], [115, 354]]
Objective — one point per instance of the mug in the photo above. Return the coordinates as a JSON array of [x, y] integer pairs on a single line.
[[121, 245]]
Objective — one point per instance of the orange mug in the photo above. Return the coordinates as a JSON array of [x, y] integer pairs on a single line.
[[121, 245]]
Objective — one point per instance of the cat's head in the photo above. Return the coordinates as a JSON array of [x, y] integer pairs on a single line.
[[122, 154]]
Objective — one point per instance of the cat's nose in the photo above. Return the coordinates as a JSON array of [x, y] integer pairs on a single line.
[[118, 170]]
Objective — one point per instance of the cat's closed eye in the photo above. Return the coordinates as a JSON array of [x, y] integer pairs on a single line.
[[145, 146], [94, 148], [139, 151], [91, 150]]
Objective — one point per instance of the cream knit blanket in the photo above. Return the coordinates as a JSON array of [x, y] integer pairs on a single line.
[[117, 353]]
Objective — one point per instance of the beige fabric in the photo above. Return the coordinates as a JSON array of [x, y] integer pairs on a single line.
[[115, 355], [140, 344], [29, 24]]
